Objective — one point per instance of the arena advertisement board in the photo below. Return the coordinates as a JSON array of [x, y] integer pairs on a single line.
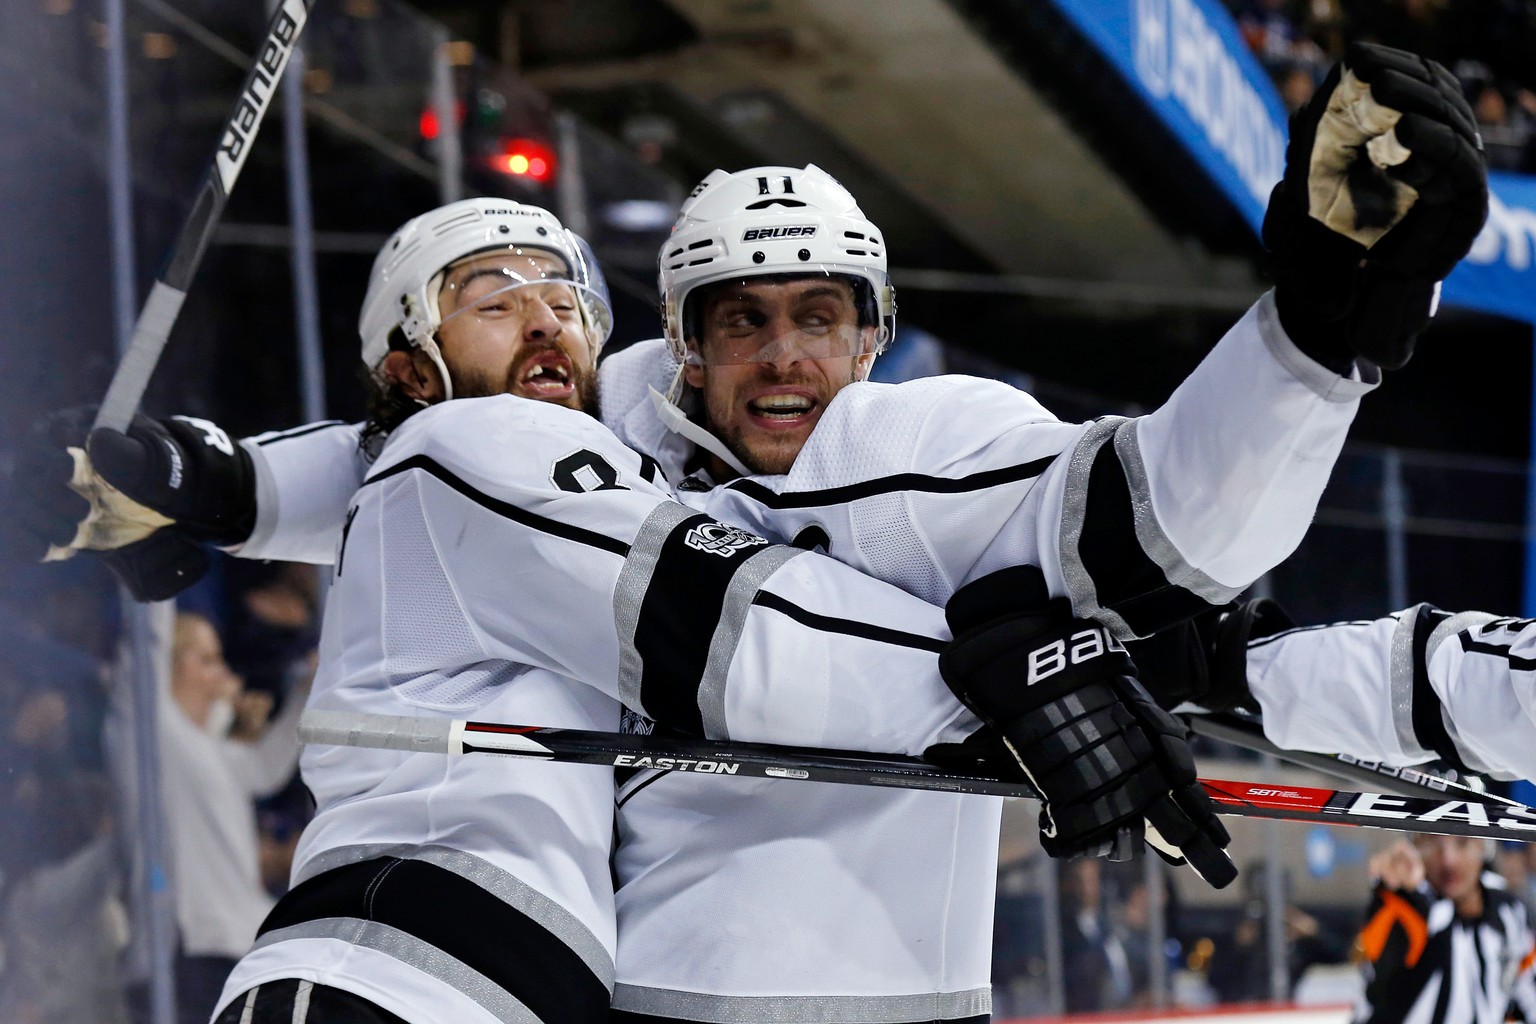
[[1187, 61]]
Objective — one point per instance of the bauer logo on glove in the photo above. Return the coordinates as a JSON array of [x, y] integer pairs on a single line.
[[1082, 646]]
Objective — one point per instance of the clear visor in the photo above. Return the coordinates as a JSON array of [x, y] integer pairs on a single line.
[[840, 341], [777, 320], [502, 285]]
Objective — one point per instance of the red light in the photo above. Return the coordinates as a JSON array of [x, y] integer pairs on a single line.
[[527, 158], [430, 126]]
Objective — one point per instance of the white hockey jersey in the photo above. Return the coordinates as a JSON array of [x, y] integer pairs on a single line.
[[1405, 689], [753, 901], [510, 561]]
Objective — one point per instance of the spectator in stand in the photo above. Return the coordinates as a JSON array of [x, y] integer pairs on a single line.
[[1239, 967], [1505, 127], [1444, 943], [209, 780], [1097, 973]]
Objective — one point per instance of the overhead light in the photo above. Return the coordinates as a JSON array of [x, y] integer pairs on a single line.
[[526, 158], [430, 125]]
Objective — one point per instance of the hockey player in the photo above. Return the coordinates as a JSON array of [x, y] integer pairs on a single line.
[[1418, 685], [1444, 942], [933, 485]]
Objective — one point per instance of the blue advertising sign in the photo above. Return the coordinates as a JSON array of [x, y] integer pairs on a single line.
[[1499, 274], [1187, 61]]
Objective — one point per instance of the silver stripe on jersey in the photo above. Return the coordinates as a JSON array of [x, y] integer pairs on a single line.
[[249, 1009], [1400, 682], [1453, 625], [408, 949], [1150, 532], [745, 583], [301, 1002], [629, 593], [1074, 506], [504, 885], [661, 1002]]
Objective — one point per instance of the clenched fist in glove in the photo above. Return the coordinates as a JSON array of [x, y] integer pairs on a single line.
[[1064, 712], [1385, 189], [148, 499]]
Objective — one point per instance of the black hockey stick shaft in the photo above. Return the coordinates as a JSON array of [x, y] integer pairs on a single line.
[[1249, 734], [1441, 815], [163, 306]]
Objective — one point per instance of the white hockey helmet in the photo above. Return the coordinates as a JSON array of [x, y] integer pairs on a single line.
[[771, 220], [401, 307]]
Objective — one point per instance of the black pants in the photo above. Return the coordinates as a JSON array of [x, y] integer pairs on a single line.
[[275, 1003]]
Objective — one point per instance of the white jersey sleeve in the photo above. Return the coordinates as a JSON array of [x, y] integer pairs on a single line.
[[304, 479], [1404, 689], [935, 482], [548, 543]]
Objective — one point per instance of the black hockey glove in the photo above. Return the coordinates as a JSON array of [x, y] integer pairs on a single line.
[[1205, 661], [187, 469], [1385, 189], [183, 483], [1063, 712]]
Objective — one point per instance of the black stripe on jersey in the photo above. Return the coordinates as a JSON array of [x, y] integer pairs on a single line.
[[889, 484], [456, 916], [311, 428], [679, 614], [1428, 723], [502, 508], [1124, 578], [849, 627], [1516, 662]]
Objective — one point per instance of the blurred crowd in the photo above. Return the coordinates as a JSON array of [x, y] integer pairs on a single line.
[[241, 653], [1490, 45]]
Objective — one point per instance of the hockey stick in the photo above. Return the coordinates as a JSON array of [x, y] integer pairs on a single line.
[[163, 306], [110, 509], [1249, 734], [768, 761]]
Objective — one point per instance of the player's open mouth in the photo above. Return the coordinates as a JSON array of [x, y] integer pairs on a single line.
[[787, 409], [546, 375]]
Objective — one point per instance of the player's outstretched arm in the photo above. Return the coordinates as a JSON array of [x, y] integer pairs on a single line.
[[1063, 710], [150, 499], [1417, 685], [1385, 189]]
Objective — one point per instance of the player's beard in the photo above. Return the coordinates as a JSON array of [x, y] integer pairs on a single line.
[[583, 376]]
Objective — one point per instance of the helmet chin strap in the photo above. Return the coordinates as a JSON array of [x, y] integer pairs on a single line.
[[429, 346], [674, 419]]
